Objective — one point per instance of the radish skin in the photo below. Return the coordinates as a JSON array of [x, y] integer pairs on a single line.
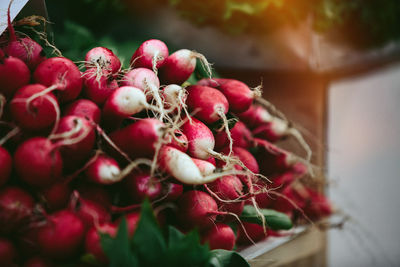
[[5, 165], [13, 74], [61, 74], [141, 185], [84, 108], [220, 236], [92, 240], [142, 78], [98, 89], [151, 54], [38, 262], [200, 138], [8, 252], [241, 137], [90, 212], [103, 170], [37, 162], [56, 196], [205, 167], [104, 60], [37, 114]]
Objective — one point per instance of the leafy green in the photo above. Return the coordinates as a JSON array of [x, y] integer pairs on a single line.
[[274, 219], [150, 246]]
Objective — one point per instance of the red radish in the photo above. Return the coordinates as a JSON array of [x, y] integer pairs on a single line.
[[5, 165], [255, 116], [38, 162], [102, 59], [254, 231], [174, 191], [201, 139], [205, 167], [263, 199], [208, 104], [151, 54], [178, 140], [13, 74], [142, 78], [174, 96], [240, 134], [38, 262], [171, 160], [245, 157], [103, 170], [290, 199], [76, 136], [8, 253], [62, 235], [141, 185], [95, 193], [98, 89], [274, 159], [139, 139], [230, 190], [239, 95], [317, 205], [23, 48], [220, 236], [90, 212], [92, 240], [178, 67], [61, 74], [283, 179], [213, 82], [16, 206], [196, 209], [56, 196], [83, 108], [124, 102], [31, 112]]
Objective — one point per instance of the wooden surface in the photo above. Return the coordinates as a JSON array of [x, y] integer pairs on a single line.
[[302, 98]]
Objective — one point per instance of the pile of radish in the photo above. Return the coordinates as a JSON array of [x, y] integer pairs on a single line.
[[81, 149]]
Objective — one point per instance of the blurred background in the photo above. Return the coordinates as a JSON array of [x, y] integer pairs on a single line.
[[333, 66]]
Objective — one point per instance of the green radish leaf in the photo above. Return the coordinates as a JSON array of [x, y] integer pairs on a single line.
[[274, 219], [118, 249], [226, 258], [186, 250], [174, 236], [148, 241]]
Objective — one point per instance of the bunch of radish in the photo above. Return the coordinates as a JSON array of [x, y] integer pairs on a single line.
[[81, 149]]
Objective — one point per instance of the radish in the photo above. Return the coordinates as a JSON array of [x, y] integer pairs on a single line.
[[220, 236], [178, 67], [92, 240], [246, 159], [241, 137], [90, 212], [95, 193], [228, 190], [56, 196], [140, 138], [38, 262], [171, 160], [212, 82], [142, 78], [33, 112], [61, 74], [16, 206], [124, 102], [38, 162], [178, 140], [174, 191], [98, 89], [62, 235], [151, 54], [103, 60], [239, 95], [254, 231], [5, 165], [201, 139], [196, 209], [13, 74], [8, 253], [103, 170], [25, 48], [132, 220], [84, 108], [174, 97], [76, 137], [255, 116], [147, 81], [141, 185], [208, 104], [205, 167]]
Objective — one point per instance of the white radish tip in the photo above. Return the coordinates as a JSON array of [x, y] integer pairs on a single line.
[[109, 174]]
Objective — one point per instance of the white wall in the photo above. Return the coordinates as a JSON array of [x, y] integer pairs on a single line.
[[364, 167]]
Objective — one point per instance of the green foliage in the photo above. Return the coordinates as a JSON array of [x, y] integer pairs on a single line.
[[274, 219], [150, 246]]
